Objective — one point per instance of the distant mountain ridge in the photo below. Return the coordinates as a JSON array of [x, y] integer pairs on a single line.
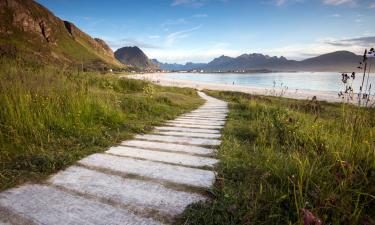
[[340, 61], [244, 62], [177, 67], [134, 56], [30, 31]]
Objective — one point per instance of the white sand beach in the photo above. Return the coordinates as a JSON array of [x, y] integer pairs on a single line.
[[160, 79]]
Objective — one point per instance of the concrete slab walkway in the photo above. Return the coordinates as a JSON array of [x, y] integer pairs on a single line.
[[148, 180]]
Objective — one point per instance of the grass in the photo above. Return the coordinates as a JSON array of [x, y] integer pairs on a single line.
[[50, 118], [285, 161]]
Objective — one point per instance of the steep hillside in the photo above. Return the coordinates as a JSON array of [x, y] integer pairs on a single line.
[[29, 31], [134, 56]]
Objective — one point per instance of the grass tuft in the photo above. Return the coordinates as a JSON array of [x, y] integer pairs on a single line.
[[50, 118], [285, 161]]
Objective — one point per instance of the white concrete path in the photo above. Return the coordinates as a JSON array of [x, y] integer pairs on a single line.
[[148, 180]]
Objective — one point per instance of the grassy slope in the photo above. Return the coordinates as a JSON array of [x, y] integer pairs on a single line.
[[66, 50], [81, 43], [282, 156], [50, 118]]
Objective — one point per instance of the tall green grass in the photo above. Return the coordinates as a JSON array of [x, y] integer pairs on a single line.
[[50, 117], [286, 161]]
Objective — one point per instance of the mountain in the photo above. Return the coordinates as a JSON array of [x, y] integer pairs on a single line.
[[134, 56], [218, 62], [30, 31], [244, 62], [343, 61], [178, 67]]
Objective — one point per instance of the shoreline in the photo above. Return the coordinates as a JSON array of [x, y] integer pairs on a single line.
[[300, 94]]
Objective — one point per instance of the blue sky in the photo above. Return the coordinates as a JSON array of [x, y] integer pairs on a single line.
[[200, 30]]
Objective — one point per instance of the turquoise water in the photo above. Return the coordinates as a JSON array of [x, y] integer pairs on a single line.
[[319, 81]]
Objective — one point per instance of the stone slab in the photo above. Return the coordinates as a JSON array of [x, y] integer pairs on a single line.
[[179, 140], [169, 147], [184, 129], [168, 157], [215, 115], [47, 205], [210, 111], [189, 134], [198, 118], [195, 121], [176, 124], [208, 114], [131, 192], [155, 170]]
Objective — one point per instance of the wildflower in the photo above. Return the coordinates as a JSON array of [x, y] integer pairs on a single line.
[[339, 176], [371, 53], [345, 164], [344, 78], [265, 175], [366, 222], [292, 179], [309, 218], [232, 209], [332, 200]]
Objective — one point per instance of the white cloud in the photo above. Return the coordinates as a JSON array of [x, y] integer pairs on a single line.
[[327, 45], [190, 55], [340, 2], [302, 51], [364, 41], [326, 2], [284, 2], [115, 44], [202, 15], [154, 36], [280, 2], [194, 3], [296, 51], [179, 2], [174, 22], [372, 5], [337, 15], [173, 37]]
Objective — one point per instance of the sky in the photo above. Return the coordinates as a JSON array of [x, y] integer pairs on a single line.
[[179, 31]]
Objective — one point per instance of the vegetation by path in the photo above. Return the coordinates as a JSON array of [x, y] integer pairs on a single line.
[[286, 161], [51, 117], [141, 181]]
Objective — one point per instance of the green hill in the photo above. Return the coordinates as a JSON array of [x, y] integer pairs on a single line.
[[134, 56], [30, 32]]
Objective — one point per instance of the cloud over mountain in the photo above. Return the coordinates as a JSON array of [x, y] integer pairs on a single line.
[[360, 41]]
